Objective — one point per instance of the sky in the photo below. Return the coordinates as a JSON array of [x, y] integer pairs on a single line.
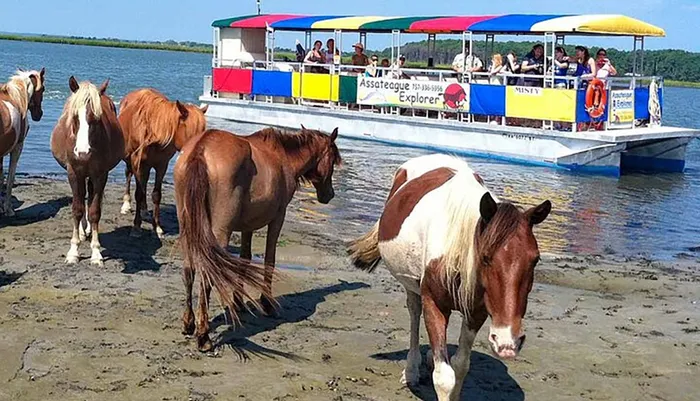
[[191, 20]]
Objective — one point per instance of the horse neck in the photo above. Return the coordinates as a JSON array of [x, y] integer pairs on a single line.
[[299, 161], [16, 93]]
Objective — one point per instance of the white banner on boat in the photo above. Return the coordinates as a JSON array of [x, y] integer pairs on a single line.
[[413, 94], [621, 109]]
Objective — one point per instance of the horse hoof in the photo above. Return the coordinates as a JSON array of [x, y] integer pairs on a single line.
[[71, 260], [188, 329], [204, 344], [97, 262], [160, 233], [409, 379]]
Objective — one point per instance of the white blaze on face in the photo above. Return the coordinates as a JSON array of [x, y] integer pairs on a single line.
[[82, 141]]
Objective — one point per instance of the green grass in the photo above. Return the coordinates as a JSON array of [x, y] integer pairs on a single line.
[[681, 84], [109, 43]]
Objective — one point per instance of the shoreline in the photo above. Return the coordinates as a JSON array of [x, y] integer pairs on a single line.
[[598, 328]]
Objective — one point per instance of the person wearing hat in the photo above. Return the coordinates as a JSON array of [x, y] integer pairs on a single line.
[[359, 58]]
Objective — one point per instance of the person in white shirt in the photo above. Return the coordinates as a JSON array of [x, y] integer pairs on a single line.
[[472, 63], [603, 65]]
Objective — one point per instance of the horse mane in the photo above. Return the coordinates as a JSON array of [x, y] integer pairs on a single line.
[[466, 242], [295, 141], [17, 90], [87, 93], [156, 112]]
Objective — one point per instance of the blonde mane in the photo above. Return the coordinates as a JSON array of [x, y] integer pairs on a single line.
[[460, 252], [19, 89], [87, 93]]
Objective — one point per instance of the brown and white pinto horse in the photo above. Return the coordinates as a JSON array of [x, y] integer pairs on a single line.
[[155, 129], [88, 142], [454, 246], [23, 93], [226, 183]]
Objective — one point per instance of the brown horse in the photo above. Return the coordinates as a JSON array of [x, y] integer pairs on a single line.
[[155, 128], [454, 246], [88, 142], [226, 183], [23, 93]]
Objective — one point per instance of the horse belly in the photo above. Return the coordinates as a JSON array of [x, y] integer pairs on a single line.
[[402, 258]]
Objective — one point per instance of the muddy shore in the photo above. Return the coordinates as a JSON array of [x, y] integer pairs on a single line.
[[599, 327]]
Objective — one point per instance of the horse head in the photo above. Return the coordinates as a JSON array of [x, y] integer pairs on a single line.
[[191, 123], [84, 109], [321, 172], [37, 94], [507, 254]]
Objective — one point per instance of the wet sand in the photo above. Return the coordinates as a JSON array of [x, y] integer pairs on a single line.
[[599, 327]]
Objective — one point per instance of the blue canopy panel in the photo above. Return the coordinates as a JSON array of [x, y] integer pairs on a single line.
[[512, 24], [303, 23]]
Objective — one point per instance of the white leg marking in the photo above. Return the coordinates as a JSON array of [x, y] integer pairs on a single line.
[[443, 380], [82, 140], [411, 374], [160, 232], [96, 258], [126, 206], [73, 255]]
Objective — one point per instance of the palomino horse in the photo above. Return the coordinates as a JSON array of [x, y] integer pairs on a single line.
[[23, 93], [88, 142], [454, 246], [226, 183], [155, 128]]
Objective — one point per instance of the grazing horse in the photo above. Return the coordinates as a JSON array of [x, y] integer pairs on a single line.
[[226, 183], [23, 93], [454, 246], [155, 128], [88, 143]]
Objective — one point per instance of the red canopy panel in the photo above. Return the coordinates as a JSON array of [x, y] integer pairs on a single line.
[[260, 21], [448, 24]]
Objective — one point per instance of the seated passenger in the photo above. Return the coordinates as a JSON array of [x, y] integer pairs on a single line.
[[533, 64], [371, 70], [359, 58], [561, 66], [472, 63], [511, 67], [331, 52], [316, 56], [385, 67], [496, 69], [585, 66], [396, 69]]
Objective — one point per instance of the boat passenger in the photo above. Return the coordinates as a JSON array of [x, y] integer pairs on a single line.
[[385, 67], [511, 67], [586, 67], [396, 69], [496, 70], [316, 56], [371, 70], [472, 63], [603, 64], [331, 51], [533, 64], [561, 66], [359, 58]]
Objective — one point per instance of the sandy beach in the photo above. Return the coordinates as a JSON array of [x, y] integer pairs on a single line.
[[598, 327]]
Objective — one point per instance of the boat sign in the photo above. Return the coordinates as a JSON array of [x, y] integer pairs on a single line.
[[621, 109], [413, 94]]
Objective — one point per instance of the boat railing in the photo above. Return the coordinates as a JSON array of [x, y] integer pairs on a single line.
[[320, 85]]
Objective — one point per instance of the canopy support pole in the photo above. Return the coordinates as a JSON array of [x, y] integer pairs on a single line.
[[550, 43], [431, 50], [338, 39], [642, 56], [216, 57], [395, 45]]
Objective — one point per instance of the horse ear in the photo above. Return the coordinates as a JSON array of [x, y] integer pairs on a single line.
[[537, 214], [183, 110], [487, 207], [41, 73], [73, 84], [334, 134], [204, 108], [303, 128], [103, 88]]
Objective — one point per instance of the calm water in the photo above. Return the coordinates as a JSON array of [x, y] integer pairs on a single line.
[[652, 215]]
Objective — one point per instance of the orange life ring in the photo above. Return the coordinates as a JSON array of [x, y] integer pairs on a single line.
[[596, 98]]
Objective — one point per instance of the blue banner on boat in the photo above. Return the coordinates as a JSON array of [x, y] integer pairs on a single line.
[[272, 83], [487, 100], [581, 113], [641, 103]]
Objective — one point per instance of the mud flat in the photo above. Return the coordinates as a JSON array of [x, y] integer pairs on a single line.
[[599, 328]]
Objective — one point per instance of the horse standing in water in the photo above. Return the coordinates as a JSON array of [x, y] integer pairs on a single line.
[[454, 246], [155, 129], [226, 183], [88, 142], [23, 93]]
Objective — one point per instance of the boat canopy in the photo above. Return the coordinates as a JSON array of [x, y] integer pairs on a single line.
[[512, 24]]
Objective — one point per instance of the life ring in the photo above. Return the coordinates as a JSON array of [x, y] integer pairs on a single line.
[[596, 98]]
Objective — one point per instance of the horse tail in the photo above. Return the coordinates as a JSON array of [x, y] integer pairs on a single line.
[[226, 273], [364, 251]]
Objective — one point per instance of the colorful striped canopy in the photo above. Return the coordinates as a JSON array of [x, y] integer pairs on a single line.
[[513, 24]]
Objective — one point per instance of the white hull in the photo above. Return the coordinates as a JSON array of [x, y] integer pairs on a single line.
[[600, 152]]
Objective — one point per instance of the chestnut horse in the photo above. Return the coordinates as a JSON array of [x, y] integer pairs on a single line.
[[155, 128], [226, 183], [23, 93], [454, 246], [88, 143]]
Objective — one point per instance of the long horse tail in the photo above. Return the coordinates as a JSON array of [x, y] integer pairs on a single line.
[[226, 273], [364, 251]]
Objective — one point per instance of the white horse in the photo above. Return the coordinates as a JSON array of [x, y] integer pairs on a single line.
[[454, 246]]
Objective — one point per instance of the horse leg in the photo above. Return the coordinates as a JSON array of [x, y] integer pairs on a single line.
[[14, 159], [126, 206], [436, 320], [411, 373], [246, 253], [85, 232], [202, 327], [188, 315], [141, 176], [2, 173], [77, 185], [95, 213], [460, 361], [273, 233], [156, 196]]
